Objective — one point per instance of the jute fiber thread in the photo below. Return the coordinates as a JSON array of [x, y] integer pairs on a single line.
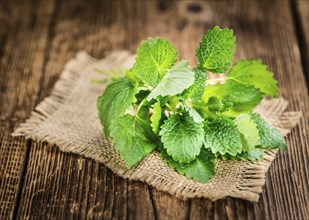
[[68, 118]]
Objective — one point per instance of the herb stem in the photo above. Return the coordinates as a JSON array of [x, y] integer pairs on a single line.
[[170, 107], [140, 106]]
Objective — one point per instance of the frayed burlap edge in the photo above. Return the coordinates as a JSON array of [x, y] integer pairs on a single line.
[[252, 174]]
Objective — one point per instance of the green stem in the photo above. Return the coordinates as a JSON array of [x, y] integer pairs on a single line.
[[170, 107], [140, 106], [236, 80]]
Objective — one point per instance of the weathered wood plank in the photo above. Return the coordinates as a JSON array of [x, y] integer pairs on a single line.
[[303, 7], [59, 185], [303, 28], [271, 37], [22, 63], [23, 40]]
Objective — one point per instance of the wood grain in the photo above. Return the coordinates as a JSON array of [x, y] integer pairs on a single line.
[[23, 40], [112, 196], [303, 7], [60, 185], [302, 11]]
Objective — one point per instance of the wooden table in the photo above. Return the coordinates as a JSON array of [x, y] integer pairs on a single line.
[[37, 38]]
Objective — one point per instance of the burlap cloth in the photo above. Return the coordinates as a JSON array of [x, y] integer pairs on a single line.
[[68, 118]]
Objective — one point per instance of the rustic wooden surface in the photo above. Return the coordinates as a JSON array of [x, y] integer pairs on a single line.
[[38, 37], [302, 24]]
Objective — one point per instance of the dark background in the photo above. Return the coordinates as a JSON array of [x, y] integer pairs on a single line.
[[37, 38]]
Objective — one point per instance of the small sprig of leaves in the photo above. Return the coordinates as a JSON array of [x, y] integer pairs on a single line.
[[165, 105]]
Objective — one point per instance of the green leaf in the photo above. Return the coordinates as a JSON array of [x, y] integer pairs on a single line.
[[179, 78], [241, 98], [201, 169], [182, 137], [248, 130], [154, 58], [269, 136], [254, 73], [222, 137], [197, 89], [215, 104], [117, 97], [216, 50], [133, 138], [143, 113], [131, 74], [156, 117], [194, 114], [252, 154]]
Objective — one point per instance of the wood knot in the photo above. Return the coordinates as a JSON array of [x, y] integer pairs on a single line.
[[194, 8], [195, 11]]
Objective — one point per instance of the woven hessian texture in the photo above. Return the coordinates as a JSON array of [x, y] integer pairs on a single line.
[[68, 118]]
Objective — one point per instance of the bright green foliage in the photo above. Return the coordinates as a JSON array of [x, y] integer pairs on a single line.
[[269, 136], [192, 119], [154, 58], [254, 73], [248, 130], [131, 74], [222, 136], [156, 117], [133, 138], [216, 50], [179, 78], [194, 115], [197, 89], [182, 137], [244, 98], [201, 169], [118, 96], [252, 155], [241, 98], [143, 113], [215, 104]]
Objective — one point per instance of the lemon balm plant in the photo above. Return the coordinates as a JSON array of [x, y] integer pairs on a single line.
[[166, 105]]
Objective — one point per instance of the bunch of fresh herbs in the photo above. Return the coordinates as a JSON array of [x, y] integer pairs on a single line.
[[166, 105]]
